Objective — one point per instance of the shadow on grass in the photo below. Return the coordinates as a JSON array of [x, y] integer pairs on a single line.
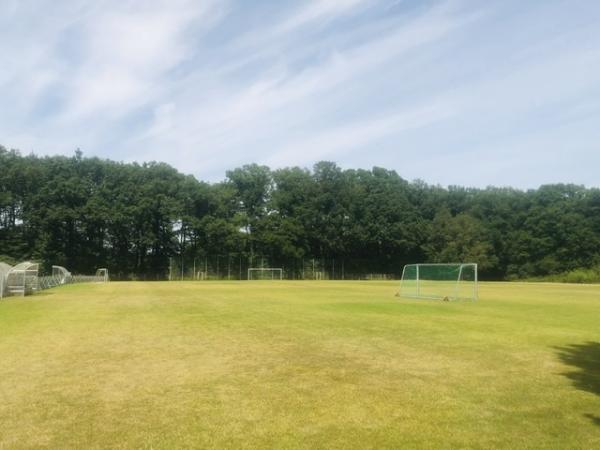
[[586, 358]]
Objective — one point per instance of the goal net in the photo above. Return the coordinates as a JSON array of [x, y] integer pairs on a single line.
[[4, 269], [269, 273], [102, 275], [440, 281]]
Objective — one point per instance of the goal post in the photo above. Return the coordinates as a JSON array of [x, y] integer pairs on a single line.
[[457, 281], [265, 273], [102, 275]]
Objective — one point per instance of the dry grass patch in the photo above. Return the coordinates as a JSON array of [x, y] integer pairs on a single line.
[[299, 365]]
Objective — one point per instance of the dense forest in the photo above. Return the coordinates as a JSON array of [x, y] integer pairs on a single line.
[[141, 220]]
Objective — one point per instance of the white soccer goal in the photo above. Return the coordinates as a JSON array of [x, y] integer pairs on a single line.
[[102, 275], [440, 281], [268, 273]]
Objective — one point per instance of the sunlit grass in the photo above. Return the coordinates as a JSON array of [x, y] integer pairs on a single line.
[[299, 364]]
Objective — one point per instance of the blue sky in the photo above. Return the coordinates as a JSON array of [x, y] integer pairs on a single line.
[[474, 93]]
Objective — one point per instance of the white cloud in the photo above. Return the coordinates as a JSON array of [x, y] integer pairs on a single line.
[[318, 10], [233, 116], [91, 64], [353, 80], [335, 142], [128, 53]]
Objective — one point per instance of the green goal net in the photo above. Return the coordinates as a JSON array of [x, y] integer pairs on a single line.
[[440, 281]]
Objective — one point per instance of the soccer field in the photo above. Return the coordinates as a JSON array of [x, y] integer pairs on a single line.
[[299, 364]]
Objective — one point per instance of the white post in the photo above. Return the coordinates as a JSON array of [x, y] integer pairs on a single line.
[[476, 287], [458, 281], [418, 288], [402, 278]]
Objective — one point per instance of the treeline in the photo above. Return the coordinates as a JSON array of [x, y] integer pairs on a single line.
[[85, 213]]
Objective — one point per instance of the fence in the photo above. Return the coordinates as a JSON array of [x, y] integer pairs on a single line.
[[235, 267]]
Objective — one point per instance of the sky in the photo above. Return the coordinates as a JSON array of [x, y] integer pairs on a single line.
[[452, 92]]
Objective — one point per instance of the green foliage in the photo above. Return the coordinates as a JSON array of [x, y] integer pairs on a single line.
[[591, 275], [83, 213], [8, 260], [460, 239]]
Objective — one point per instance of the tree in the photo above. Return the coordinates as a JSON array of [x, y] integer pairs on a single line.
[[86, 212], [459, 239]]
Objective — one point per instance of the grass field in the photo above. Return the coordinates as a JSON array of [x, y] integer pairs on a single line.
[[299, 364]]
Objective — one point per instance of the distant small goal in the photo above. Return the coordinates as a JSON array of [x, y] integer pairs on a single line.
[[456, 281], [269, 273]]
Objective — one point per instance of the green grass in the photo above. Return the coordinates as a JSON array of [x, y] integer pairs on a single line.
[[299, 364]]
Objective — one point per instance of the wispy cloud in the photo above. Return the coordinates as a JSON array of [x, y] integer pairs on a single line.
[[227, 119], [338, 141], [128, 52], [318, 10], [208, 85]]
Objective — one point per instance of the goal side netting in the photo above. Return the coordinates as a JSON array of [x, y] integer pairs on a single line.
[[269, 273], [440, 281]]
